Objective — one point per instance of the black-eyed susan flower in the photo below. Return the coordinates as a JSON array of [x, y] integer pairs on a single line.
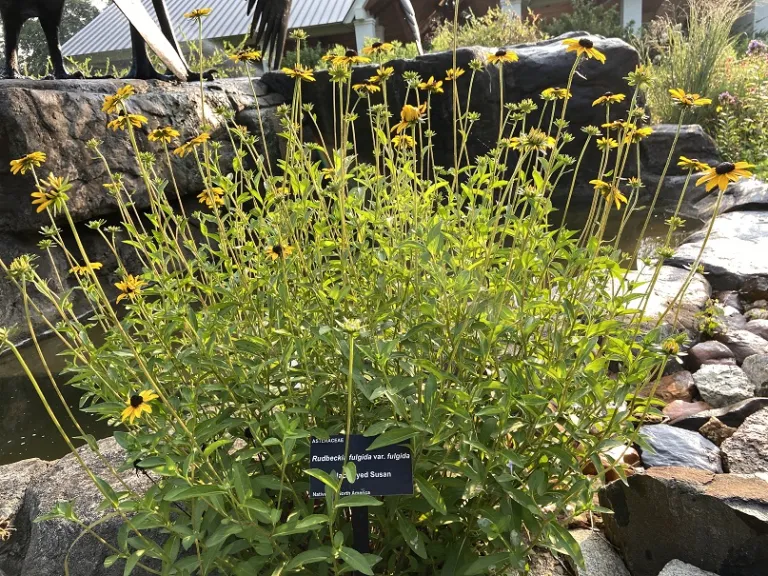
[[86, 269], [191, 144], [536, 140], [725, 173], [409, 116], [555, 93], [584, 47], [113, 101], [165, 134], [300, 72], [124, 121], [31, 160], [433, 86], [247, 55], [378, 48], [198, 13], [403, 141], [350, 57], [279, 251], [607, 143], [615, 125], [51, 193], [453, 74], [635, 134], [211, 197], [610, 192], [502, 56], [692, 164], [681, 98], [137, 405], [609, 98], [130, 287], [383, 73], [366, 88]]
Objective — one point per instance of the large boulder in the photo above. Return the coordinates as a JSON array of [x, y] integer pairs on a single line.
[[743, 343], [717, 522], [748, 194], [746, 452], [720, 384], [670, 446], [692, 142], [600, 558], [735, 252], [541, 65], [40, 548], [733, 415]]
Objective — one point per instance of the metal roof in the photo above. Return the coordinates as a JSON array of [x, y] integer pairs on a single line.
[[109, 31]]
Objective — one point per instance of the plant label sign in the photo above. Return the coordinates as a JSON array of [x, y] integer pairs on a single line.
[[385, 471]]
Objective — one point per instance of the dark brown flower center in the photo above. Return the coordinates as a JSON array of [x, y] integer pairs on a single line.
[[277, 249], [608, 94], [725, 168], [586, 43], [136, 401], [350, 53], [501, 53], [376, 45]]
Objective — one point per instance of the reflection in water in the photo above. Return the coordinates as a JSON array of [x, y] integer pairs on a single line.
[[26, 430]]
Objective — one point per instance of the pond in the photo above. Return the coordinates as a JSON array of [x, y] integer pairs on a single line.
[[26, 431]]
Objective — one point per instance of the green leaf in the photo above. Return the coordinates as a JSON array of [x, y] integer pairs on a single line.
[[350, 472], [357, 500], [186, 492], [323, 554], [484, 563], [431, 494], [223, 532], [133, 559], [324, 477], [412, 536], [356, 560], [394, 436]]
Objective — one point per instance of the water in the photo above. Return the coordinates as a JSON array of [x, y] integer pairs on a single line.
[[26, 431]]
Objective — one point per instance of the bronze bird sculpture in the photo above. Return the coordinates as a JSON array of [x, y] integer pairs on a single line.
[[269, 28]]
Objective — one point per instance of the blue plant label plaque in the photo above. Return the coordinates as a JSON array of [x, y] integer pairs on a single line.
[[385, 471]]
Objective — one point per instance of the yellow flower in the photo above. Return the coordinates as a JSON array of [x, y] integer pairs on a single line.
[[84, 270], [279, 251], [584, 47], [555, 93], [724, 173], [607, 143], [211, 197], [198, 13], [409, 116], [130, 287], [609, 98], [610, 192], [300, 72], [615, 125], [692, 164], [191, 144], [112, 102], [31, 160], [432, 85], [383, 74], [536, 140], [403, 141], [245, 56], [137, 405], [165, 134], [52, 192], [681, 98], [635, 134], [123, 121], [453, 74], [378, 48], [350, 57], [501, 56], [366, 88]]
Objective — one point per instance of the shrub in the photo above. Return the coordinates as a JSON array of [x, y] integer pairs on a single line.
[[398, 299], [587, 15], [496, 28]]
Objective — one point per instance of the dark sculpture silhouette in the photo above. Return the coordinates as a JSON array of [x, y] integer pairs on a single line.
[[268, 30], [14, 14]]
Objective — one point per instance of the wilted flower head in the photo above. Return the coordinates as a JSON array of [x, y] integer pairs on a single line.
[[756, 47], [31, 160]]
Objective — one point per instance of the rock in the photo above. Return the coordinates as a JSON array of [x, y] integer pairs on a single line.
[[670, 446], [743, 343], [718, 522], [756, 369], [733, 321], [729, 298], [759, 327], [746, 452], [541, 65], [676, 386], [735, 252], [756, 314], [693, 142], [755, 288], [670, 281], [543, 563], [720, 385], [600, 558], [677, 568], [39, 548], [680, 409], [733, 415], [757, 305], [748, 194], [709, 352], [716, 432]]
